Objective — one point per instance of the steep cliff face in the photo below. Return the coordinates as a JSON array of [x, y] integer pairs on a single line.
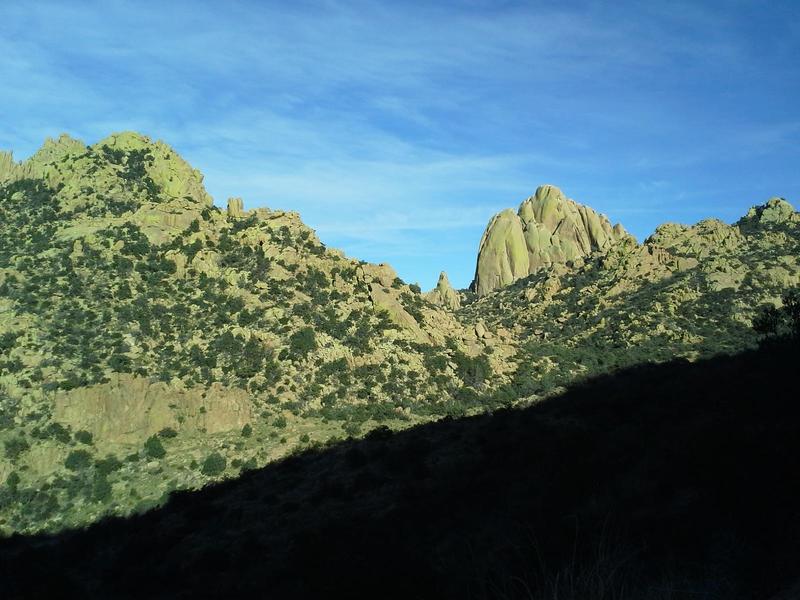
[[547, 229]]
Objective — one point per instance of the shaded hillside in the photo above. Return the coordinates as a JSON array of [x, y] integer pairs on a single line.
[[676, 481]]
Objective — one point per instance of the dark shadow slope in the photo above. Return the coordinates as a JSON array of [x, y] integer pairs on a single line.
[[671, 481]]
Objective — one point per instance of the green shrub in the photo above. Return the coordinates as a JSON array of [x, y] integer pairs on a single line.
[[214, 464], [770, 320], [15, 446], [302, 342], [101, 488], [12, 481], [351, 429], [77, 460], [167, 432], [58, 432], [84, 437], [279, 422], [247, 430], [153, 448], [473, 370], [108, 465], [767, 320]]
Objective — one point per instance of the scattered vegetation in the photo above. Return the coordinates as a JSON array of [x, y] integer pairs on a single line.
[[108, 280]]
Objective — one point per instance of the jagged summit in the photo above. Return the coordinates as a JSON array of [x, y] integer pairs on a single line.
[[548, 228], [444, 294], [172, 174], [125, 164], [776, 210], [54, 149]]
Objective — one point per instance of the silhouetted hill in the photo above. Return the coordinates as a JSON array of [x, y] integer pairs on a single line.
[[676, 480]]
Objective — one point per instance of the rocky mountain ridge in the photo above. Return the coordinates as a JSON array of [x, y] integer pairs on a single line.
[[690, 291], [132, 309], [151, 341]]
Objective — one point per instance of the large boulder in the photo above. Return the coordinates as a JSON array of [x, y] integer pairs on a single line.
[[502, 255], [383, 273], [235, 208], [547, 229]]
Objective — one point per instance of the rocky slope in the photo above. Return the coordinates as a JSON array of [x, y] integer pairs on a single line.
[[144, 330], [687, 291]]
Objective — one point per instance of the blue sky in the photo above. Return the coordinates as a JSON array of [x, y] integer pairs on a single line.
[[397, 129]]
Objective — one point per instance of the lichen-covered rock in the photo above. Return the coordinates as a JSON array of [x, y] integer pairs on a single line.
[[235, 208], [53, 150], [547, 229], [7, 166], [502, 255], [128, 409], [443, 294], [382, 273], [699, 241], [161, 222]]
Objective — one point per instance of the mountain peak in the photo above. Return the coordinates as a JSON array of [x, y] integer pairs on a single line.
[[55, 149], [548, 228], [444, 294], [127, 140], [169, 171], [774, 211]]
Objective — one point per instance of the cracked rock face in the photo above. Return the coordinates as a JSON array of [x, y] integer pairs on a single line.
[[547, 229]]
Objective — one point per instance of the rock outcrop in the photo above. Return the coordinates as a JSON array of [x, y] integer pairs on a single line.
[[443, 294], [235, 208], [774, 212], [547, 229], [128, 409], [7, 166]]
